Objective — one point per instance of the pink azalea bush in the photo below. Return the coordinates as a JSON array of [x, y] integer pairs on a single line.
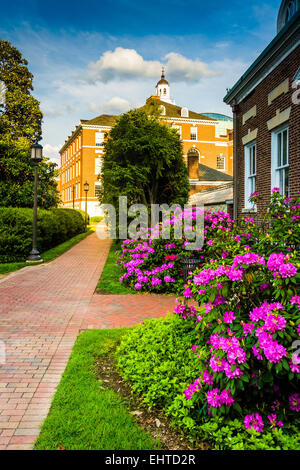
[[247, 321], [154, 264]]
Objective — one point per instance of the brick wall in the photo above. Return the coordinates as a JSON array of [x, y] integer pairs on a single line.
[[259, 97]]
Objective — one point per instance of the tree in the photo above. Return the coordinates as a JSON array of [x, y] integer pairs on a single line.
[[143, 161], [17, 176], [20, 125], [21, 115]]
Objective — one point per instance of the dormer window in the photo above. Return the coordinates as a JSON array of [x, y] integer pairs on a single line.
[[287, 10], [291, 10], [184, 112], [162, 110]]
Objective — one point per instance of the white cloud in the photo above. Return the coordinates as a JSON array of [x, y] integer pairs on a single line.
[[115, 105], [128, 64], [180, 68], [52, 152]]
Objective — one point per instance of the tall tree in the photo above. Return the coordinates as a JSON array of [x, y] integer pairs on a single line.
[[20, 125], [17, 176], [143, 161], [21, 115]]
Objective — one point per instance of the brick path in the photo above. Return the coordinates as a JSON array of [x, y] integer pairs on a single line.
[[42, 310]]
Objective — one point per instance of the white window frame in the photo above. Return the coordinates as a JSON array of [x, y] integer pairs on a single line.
[[279, 168], [99, 139], [178, 129], [98, 165], [250, 156], [97, 187], [194, 133], [224, 162]]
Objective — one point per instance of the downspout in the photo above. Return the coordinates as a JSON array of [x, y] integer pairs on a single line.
[[235, 110]]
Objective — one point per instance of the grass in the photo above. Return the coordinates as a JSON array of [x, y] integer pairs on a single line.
[[109, 282], [48, 255], [85, 416]]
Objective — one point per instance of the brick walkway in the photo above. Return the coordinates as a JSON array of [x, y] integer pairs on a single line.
[[42, 310]]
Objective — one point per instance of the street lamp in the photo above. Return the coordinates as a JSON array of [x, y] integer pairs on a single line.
[[86, 187], [36, 158]]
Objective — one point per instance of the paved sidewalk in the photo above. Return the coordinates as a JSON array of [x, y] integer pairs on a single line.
[[42, 310]]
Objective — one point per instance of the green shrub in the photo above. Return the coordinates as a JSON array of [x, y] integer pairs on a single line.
[[54, 227], [156, 358]]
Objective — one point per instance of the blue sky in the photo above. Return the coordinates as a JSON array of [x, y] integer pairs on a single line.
[[106, 57]]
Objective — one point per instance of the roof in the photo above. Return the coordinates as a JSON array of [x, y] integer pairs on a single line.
[[102, 120], [172, 110], [215, 196], [210, 174], [162, 81], [234, 90], [218, 117]]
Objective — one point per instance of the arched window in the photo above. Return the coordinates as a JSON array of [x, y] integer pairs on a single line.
[[291, 10], [184, 112], [165, 91], [162, 110]]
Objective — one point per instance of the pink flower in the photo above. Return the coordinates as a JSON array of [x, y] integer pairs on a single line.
[[273, 421], [294, 402], [254, 421], [228, 317], [187, 293]]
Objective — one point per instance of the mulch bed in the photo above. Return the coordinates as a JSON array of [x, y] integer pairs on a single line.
[[152, 420]]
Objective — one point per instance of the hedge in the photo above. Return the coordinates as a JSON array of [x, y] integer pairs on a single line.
[[54, 227]]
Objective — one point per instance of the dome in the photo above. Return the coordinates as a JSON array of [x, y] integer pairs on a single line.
[[287, 10], [162, 81]]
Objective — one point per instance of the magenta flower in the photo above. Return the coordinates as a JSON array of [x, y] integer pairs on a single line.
[[294, 402], [254, 421], [273, 421], [228, 317]]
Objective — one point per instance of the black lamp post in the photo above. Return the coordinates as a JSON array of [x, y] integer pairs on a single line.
[[86, 187], [36, 158]]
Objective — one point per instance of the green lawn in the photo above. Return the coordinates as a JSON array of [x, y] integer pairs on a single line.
[[109, 282], [83, 415], [48, 255]]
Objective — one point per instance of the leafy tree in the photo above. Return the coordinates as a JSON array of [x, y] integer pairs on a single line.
[[143, 161], [21, 115], [17, 176], [20, 125]]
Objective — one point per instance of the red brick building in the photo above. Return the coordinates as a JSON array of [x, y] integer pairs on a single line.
[[266, 107]]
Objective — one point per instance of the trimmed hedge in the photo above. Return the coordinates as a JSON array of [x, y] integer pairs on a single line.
[[54, 227]]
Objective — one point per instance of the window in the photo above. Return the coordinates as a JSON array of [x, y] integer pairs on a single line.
[[291, 10], [178, 129], [184, 112], [220, 162], [97, 189], [280, 160], [193, 133], [250, 172], [98, 165], [99, 137]]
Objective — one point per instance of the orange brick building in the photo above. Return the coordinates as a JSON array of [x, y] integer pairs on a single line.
[[207, 149]]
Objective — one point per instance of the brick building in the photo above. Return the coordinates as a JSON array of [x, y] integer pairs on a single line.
[[266, 109], [207, 143]]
